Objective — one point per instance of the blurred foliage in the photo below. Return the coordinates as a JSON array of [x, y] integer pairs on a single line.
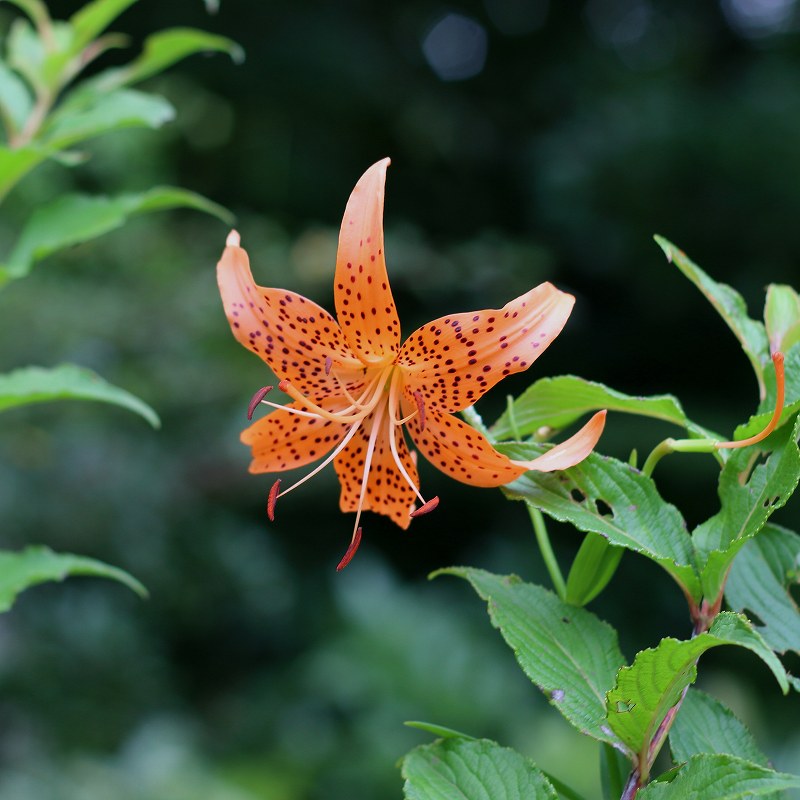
[[253, 671]]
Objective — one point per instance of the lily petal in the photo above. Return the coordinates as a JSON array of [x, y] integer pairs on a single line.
[[570, 452], [292, 334], [285, 440], [364, 303], [454, 360], [460, 451], [387, 491]]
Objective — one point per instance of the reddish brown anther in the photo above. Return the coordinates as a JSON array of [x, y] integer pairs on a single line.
[[272, 499], [421, 408], [256, 399], [351, 551], [328, 365], [426, 508]]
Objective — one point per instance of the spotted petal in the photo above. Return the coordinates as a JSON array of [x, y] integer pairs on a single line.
[[387, 491], [364, 303], [285, 440], [292, 334], [454, 360]]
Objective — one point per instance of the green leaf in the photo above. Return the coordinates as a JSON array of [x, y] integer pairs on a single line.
[[75, 218], [730, 305], [93, 18], [759, 583], [66, 382], [34, 565], [558, 402], [614, 770], [437, 730], [782, 317], [592, 569], [15, 99], [475, 769], [162, 50], [608, 497], [722, 777], [653, 684], [75, 122], [704, 725], [746, 505], [15, 164], [568, 652]]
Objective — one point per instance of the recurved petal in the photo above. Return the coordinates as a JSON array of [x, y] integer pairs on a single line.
[[292, 334], [387, 491], [460, 451], [284, 440], [364, 303], [454, 360], [570, 452]]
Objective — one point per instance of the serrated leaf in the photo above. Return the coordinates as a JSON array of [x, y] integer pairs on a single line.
[[746, 505], [568, 652], [558, 402], [759, 583], [611, 498], [593, 567], [475, 769], [653, 684], [722, 777], [35, 565], [705, 725], [66, 382], [75, 218], [730, 305]]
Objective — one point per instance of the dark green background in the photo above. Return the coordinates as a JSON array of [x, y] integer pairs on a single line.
[[254, 671]]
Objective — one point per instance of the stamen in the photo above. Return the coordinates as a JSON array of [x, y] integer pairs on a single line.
[[351, 550], [373, 393], [256, 399], [272, 499], [426, 508], [328, 365], [373, 437], [421, 407], [780, 387]]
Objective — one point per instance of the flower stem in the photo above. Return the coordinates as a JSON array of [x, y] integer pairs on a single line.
[[543, 540]]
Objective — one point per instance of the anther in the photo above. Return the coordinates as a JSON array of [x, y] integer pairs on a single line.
[[351, 550], [426, 508], [780, 386], [421, 408], [272, 499], [328, 365], [256, 399]]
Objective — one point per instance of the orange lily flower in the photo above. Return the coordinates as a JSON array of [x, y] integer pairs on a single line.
[[354, 386]]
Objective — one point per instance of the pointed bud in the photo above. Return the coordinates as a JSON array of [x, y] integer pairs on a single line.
[[256, 399]]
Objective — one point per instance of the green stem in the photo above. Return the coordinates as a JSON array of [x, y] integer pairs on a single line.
[[676, 446], [543, 540], [512, 419]]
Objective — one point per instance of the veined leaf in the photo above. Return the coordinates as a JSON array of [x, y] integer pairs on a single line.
[[759, 583], [646, 690], [72, 219], [477, 769], [558, 402], [745, 507], [704, 725], [606, 496], [568, 652], [66, 382], [730, 305], [34, 565], [721, 777]]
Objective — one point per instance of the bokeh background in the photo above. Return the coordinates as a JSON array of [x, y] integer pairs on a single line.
[[530, 141]]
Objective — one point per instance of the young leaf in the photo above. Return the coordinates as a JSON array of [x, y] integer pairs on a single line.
[[759, 583], [782, 317], [569, 653], [653, 684], [92, 19], [730, 305], [72, 219], [608, 497], [746, 505], [66, 382], [722, 777], [558, 402], [477, 769], [592, 569], [704, 725], [37, 564]]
